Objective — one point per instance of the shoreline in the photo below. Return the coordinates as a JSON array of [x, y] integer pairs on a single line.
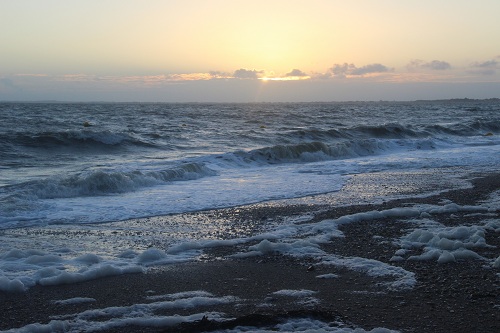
[[460, 296]]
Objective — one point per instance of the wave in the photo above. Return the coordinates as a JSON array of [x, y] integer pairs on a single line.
[[74, 138], [320, 151], [476, 128], [397, 131], [486, 125], [386, 131], [99, 182], [302, 152]]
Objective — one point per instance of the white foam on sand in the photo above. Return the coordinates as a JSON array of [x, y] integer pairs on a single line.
[[21, 269], [327, 276], [79, 253], [291, 325], [496, 263], [294, 293], [74, 300], [82, 325], [446, 244], [301, 296], [401, 278], [308, 325], [140, 315], [180, 295], [492, 202], [314, 234]]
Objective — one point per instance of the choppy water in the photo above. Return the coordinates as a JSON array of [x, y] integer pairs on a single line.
[[84, 163], [66, 167]]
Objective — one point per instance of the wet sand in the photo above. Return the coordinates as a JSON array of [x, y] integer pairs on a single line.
[[462, 296]]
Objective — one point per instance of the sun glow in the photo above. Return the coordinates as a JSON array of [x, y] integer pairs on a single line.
[[286, 78]]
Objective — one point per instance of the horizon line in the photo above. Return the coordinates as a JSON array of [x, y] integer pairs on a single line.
[[260, 102]]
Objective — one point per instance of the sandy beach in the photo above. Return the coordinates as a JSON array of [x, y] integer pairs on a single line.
[[262, 291]]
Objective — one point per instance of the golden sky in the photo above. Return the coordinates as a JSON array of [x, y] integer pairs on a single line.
[[141, 45]]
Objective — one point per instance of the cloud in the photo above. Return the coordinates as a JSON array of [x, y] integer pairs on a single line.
[[435, 65], [143, 79], [488, 67], [486, 64], [345, 69], [243, 73], [342, 70], [296, 72], [167, 88], [31, 75], [369, 69], [219, 75]]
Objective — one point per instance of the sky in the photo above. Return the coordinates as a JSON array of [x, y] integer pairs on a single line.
[[248, 51]]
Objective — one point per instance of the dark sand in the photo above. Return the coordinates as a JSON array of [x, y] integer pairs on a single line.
[[454, 297]]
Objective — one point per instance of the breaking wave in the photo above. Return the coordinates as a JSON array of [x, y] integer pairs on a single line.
[[99, 182], [320, 151]]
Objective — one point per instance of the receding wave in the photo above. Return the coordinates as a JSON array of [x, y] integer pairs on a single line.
[[99, 182]]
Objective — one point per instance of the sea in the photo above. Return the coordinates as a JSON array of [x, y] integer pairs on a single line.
[[89, 163], [95, 189]]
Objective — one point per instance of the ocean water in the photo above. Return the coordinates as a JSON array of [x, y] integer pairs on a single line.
[[88, 163], [93, 190]]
